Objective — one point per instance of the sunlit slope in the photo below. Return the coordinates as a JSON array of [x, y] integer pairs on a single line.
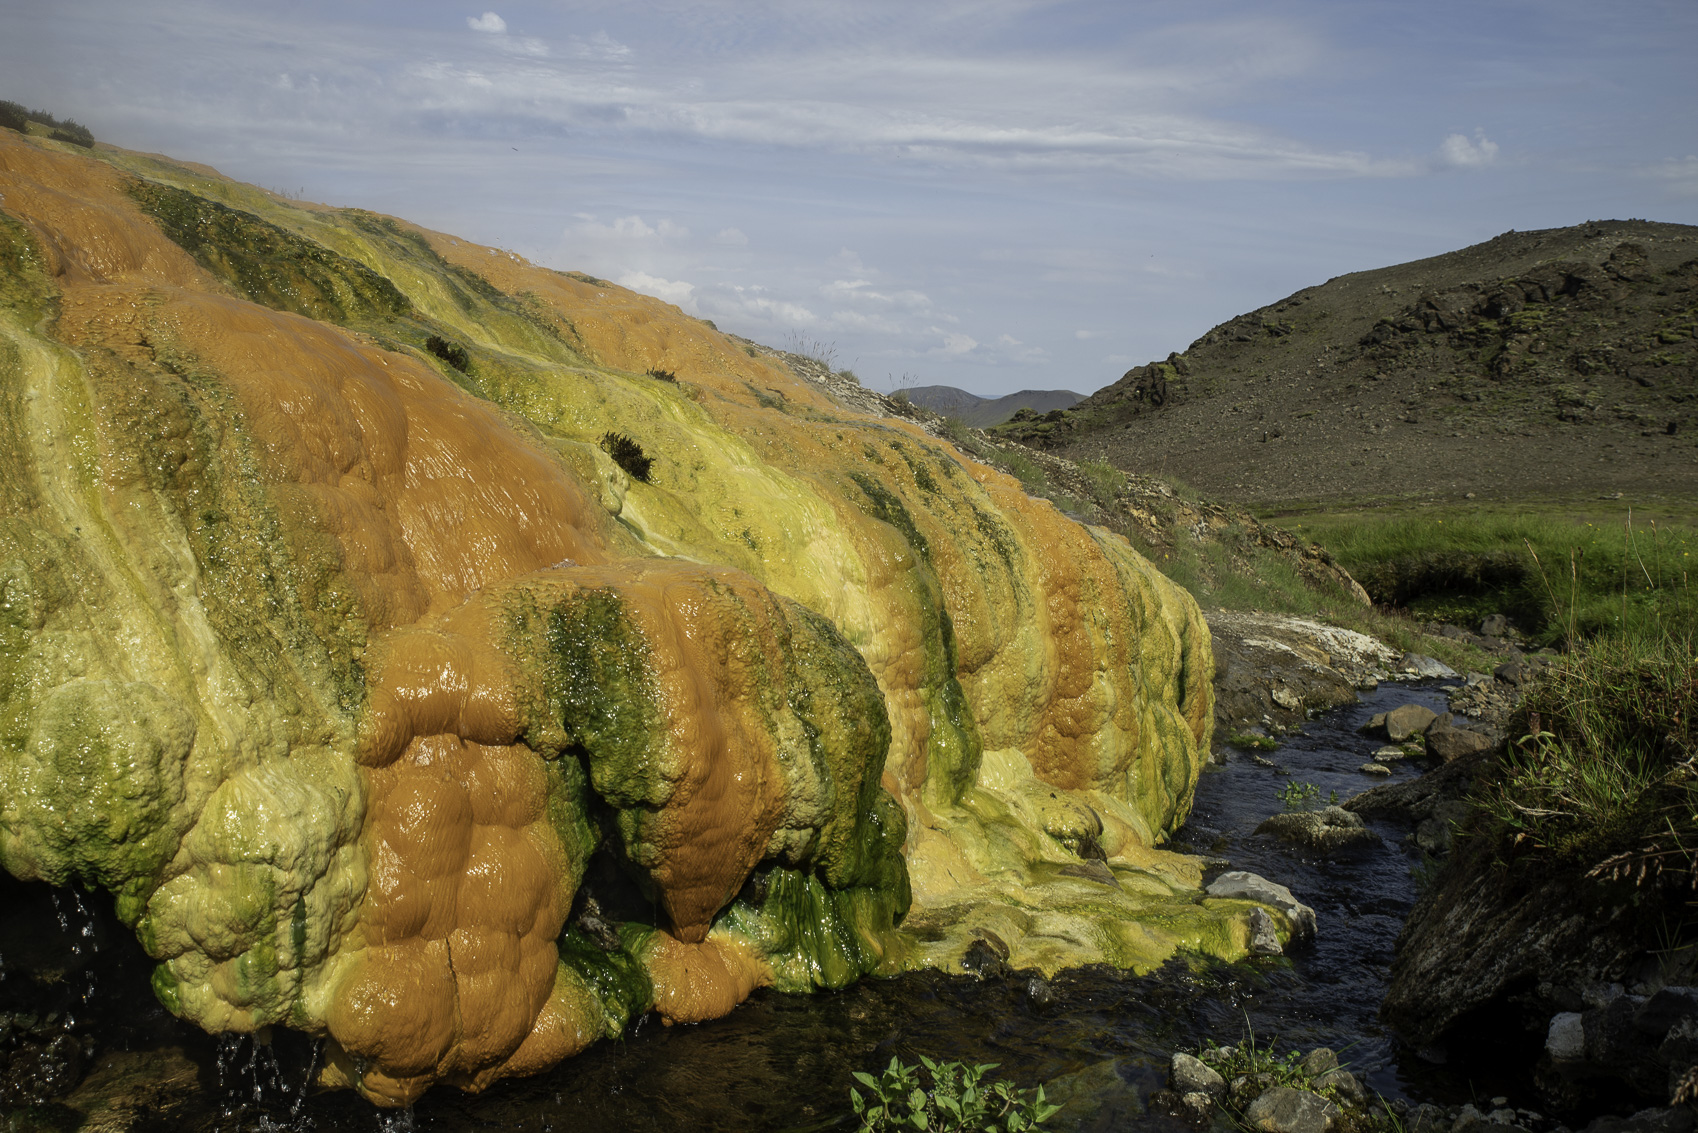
[[393, 710]]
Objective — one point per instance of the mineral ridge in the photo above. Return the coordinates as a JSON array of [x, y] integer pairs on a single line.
[[391, 709]]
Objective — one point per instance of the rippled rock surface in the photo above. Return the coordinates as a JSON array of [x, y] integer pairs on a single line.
[[391, 709]]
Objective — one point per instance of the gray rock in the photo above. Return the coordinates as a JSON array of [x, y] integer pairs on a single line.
[[1344, 1083], [1375, 723], [1319, 1061], [1494, 625], [1374, 769], [1448, 742], [1390, 752], [1423, 666], [1216, 1055], [1679, 1048], [1241, 885], [1664, 1009], [1198, 1106], [1264, 934], [1285, 1110], [1514, 672], [1189, 1075], [1566, 1039], [1426, 1118], [1329, 830], [1408, 720]]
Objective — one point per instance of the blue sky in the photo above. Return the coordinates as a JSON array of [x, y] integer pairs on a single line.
[[997, 195]]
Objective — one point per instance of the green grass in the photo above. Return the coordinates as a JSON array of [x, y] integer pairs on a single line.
[[1559, 574], [1604, 775]]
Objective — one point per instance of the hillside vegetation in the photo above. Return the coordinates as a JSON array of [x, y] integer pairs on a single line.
[[1554, 363]]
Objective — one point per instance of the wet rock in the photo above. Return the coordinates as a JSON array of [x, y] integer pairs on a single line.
[[1374, 769], [1407, 721], [1197, 1106], [1427, 1118], [1676, 1119], [1664, 1009], [1423, 666], [38, 1071], [1375, 723], [1240, 885], [1264, 934], [1279, 668], [1187, 1074], [1566, 1039], [1414, 800], [1390, 753], [1039, 993], [1329, 830], [1285, 1110]]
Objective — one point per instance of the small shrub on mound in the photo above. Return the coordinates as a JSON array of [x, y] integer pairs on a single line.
[[450, 352], [16, 116], [627, 454], [664, 376], [1604, 776]]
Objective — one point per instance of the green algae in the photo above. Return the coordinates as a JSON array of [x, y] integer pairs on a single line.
[[268, 264]]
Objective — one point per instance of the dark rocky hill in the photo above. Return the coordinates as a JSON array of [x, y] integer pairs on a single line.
[[1562, 361], [983, 412]]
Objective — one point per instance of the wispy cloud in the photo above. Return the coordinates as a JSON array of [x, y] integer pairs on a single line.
[[489, 23], [1462, 152]]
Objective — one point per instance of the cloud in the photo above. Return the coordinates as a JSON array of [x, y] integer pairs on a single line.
[[953, 343], [488, 22], [1459, 152], [730, 237], [1084, 334], [599, 46], [672, 290], [626, 228], [860, 291]]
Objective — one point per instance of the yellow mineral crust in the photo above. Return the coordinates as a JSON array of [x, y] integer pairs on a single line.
[[402, 648]]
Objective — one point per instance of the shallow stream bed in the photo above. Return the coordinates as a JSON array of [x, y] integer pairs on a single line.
[[1100, 1038]]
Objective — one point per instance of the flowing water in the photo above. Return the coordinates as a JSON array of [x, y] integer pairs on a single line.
[[781, 1062]]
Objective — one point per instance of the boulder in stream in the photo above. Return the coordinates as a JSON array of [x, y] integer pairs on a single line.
[[1329, 830], [1241, 885]]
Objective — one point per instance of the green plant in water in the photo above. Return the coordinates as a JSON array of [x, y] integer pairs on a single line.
[[1298, 796], [1251, 741], [959, 1099], [1266, 1069]]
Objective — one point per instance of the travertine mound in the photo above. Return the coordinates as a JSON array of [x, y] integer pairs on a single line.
[[390, 708]]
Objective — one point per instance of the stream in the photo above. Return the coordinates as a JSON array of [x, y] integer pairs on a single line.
[[1099, 1037]]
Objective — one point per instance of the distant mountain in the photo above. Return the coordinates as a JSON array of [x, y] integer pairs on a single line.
[[1560, 362], [983, 412]]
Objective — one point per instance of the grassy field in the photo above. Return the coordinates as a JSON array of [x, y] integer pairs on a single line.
[[1560, 570]]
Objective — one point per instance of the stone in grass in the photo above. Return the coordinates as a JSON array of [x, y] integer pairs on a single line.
[[1189, 1075], [1344, 1085], [1319, 1061], [1374, 769], [1329, 830], [1448, 742], [1241, 885], [1285, 1110]]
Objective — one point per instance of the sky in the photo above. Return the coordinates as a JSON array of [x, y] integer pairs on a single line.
[[996, 195]]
